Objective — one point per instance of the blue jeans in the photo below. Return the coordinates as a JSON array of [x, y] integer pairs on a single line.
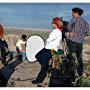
[[43, 58], [23, 54]]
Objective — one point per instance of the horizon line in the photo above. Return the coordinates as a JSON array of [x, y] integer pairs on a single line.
[[24, 28]]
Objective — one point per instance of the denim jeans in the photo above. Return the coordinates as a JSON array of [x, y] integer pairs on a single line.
[[23, 54], [43, 58]]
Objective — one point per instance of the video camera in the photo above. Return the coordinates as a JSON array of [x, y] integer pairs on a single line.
[[64, 29]]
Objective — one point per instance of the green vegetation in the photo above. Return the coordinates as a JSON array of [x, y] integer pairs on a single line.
[[87, 66]]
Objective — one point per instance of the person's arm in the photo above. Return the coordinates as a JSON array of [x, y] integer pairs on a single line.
[[17, 49], [86, 30], [53, 36], [17, 46], [70, 25], [5, 44]]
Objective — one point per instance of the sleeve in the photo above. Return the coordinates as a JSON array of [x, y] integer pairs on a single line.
[[18, 46], [70, 24], [5, 43], [53, 36], [86, 29], [18, 43]]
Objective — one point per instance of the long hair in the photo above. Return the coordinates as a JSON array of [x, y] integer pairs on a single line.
[[1, 31]]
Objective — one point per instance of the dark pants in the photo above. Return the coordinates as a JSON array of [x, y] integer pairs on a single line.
[[3, 80], [75, 47], [43, 58], [2, 51]]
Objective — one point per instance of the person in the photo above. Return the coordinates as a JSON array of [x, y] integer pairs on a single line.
[[44, 55], [3, 44], [78, 28], [3, 47], [21, 48]]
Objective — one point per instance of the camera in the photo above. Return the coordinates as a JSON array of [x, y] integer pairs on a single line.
[[64, 29]]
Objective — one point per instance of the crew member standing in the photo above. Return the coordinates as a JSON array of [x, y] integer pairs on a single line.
[[78, 28]]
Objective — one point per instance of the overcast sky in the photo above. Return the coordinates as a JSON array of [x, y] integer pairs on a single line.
[[35, 15]]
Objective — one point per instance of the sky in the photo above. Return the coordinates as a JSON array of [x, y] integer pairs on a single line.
[[38, 15]]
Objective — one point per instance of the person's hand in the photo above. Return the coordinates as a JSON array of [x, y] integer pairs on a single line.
[[73, 35]]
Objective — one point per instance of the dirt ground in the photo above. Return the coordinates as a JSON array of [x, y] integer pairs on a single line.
[[20, 74]]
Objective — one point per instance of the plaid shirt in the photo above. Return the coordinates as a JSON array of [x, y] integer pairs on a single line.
[[80, 27]]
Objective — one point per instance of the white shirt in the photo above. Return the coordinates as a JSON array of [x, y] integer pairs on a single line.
[[21, 45], [54, 40]]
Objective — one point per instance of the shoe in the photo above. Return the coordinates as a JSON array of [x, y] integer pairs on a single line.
[[39, 85], [35, 82]]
